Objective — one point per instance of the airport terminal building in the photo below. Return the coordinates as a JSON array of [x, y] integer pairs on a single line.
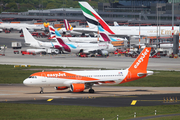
[[124, 11]]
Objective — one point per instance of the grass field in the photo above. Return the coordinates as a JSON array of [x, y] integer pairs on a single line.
[[61, 112], [11, 75]]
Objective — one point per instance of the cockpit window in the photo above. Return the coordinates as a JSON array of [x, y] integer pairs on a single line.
[[32, 76]]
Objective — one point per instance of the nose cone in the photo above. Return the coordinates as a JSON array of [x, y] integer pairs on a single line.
[[26, 82]]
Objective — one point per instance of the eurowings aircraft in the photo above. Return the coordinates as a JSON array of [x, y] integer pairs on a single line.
[[73, 39], [106, 37], [78, 81], [89, 48], [93, 19], [101, 38], [32, 42]]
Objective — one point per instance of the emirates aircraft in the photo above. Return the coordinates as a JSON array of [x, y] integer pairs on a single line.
[[93, 19], [78, 81]]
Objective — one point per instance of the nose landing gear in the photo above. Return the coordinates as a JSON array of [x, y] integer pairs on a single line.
[[41, 90]]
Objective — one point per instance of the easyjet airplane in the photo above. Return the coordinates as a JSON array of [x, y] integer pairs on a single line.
[[78, 81]]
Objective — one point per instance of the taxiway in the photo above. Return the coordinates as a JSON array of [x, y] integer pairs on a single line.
[[123, 95]]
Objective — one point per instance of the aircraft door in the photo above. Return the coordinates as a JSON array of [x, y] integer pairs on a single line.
[[43, 77], [129, 75]]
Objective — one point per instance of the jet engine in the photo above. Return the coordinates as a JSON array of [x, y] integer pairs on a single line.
[[103, 52], [56, 51], [61, 88], [77, 87]]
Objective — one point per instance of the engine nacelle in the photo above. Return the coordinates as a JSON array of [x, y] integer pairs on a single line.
[[61, 88], [56, 51], [77, 87], [103, 52]]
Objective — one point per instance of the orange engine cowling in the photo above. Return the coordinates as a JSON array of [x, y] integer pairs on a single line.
[[61, 88], [77, 87]]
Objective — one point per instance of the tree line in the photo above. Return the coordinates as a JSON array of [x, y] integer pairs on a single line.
[[25, 5]]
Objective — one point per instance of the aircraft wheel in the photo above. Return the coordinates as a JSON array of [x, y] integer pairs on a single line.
[[91, 91]]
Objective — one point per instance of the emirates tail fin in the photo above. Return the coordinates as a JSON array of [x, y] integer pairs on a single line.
[[93, 18]]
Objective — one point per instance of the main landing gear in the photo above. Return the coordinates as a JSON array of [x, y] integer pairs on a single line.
[[91, 90], [41, 90]]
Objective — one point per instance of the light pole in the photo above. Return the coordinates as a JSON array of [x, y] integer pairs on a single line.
[[157, 11], [172, 17], [160, 21], [139, 30], [1, 9]]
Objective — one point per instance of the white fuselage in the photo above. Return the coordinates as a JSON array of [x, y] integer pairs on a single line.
[[144, 30], [19, 26], [82, 39], [39, 44], [88, 47], [68, 77]]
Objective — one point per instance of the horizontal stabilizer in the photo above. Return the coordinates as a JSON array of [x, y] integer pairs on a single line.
[[148, 73]]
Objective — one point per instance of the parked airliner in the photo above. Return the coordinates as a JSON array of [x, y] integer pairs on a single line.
[[54, 33], [93, 19], [89, 48], [20, 26], [32, 42], [78, 81]]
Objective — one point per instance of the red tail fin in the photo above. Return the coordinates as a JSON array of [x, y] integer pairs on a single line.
[[65, 47], [105, 37], [67, 26]]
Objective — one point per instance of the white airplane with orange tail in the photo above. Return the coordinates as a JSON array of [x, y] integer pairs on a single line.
[[20, 26], [78, 81]]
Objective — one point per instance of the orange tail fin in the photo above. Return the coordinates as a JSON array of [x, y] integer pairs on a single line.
[[138, 69], [141, 61]]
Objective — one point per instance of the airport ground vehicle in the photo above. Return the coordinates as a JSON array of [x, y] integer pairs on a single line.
[[16, 45], [39, 51], [27, 53]]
